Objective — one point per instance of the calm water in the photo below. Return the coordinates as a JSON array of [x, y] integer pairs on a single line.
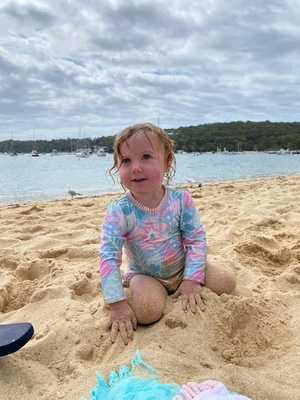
[[25, 178]]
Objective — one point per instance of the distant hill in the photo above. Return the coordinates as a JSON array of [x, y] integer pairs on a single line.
[[234, 136], [238, 135], [60, 145]]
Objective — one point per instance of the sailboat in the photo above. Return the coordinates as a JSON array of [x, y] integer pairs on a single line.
[[101, 152], [35, 153], [82, 153], [12, 151]]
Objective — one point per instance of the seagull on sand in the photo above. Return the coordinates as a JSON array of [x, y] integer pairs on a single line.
[[72, 193]]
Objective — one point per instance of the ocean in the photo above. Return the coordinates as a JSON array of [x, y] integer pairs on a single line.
[[24, 178]]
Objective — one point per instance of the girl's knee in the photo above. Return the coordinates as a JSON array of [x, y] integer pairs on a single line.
[[228, 282], [220, 280], [148, 299], [148, 313]]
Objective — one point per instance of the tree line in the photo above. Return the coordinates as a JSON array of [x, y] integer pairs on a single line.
[[238, 136], [68, 145], [233, 136]]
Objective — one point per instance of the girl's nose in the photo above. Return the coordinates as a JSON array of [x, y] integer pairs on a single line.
[[136, 166]]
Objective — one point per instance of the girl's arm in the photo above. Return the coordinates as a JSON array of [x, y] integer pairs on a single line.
[[194, 243], [194, 240], [113, 234], [122, 317]]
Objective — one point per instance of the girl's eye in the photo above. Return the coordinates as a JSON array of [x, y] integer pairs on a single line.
[[125, 161], [147, 156]]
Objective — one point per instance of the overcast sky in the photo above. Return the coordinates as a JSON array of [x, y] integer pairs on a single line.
[[91, 67]]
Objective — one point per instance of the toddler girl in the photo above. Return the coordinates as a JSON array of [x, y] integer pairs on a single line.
[[161, 233]]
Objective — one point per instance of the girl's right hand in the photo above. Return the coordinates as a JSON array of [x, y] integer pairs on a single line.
[[123, 320]]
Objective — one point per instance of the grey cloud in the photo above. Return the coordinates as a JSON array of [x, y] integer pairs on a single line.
[[74, 61], [139, 25], [128, 41], [6, 66], [154, 17], [28, 13], [256, 29]]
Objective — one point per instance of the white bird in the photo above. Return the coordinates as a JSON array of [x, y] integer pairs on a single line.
[[72, 193]]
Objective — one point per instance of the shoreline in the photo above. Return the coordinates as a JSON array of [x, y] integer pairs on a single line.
[[180, 185]]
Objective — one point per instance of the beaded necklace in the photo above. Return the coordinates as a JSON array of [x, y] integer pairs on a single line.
[[145, 208]]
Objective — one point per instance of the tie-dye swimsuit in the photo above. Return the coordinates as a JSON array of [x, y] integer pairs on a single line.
[[167, 243]]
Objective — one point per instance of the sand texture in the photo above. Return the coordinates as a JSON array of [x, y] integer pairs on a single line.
[[251, 342]]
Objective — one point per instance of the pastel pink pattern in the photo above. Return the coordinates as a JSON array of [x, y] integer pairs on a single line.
[[159, 244]]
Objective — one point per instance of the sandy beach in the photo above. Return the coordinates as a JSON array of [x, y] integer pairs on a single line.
[[251, 341]]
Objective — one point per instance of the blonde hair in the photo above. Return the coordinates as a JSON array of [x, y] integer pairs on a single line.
[[146, 128]]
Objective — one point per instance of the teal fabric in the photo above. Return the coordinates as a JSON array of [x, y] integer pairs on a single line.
[[124, 385]]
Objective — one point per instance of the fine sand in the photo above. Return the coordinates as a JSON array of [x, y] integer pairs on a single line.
[[251, 342]]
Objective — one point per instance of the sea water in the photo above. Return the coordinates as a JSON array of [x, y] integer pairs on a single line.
[[25, 178]]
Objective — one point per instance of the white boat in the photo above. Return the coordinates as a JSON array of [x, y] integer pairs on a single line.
[[82, 153], [283, 152], [34, 153], [101, 153]]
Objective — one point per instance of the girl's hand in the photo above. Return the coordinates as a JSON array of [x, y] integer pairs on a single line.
[[190, 296], [123, 320]]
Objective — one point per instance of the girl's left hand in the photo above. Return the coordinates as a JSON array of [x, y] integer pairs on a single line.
[[190, 296]]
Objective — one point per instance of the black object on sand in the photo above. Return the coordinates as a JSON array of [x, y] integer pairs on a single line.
[[14, 336]]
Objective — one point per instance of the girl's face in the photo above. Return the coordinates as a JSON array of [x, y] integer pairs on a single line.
[[142, 164]]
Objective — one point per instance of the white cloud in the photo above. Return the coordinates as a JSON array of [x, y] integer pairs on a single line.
[[100, 65]]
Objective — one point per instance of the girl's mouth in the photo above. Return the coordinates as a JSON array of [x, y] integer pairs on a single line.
[[139, 180]]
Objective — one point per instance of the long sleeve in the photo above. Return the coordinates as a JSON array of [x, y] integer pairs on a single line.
[[113, 234], [194, 240]]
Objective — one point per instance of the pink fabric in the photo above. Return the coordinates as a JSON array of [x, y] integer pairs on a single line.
[[207, 390]]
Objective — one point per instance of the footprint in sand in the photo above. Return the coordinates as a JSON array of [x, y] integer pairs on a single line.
[[8, 263], [87, 205], [84, 286], [53, 253], [36, 228], [35, 269], [21, 281], [296, 251], [24, 237], [246, 328], [173, 322], [266, 224], [31, 210], [85, 351], [74, 219], [18, 294], [49, 293], [292, 275], [88, 251], [7, 280], [266, 253]]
